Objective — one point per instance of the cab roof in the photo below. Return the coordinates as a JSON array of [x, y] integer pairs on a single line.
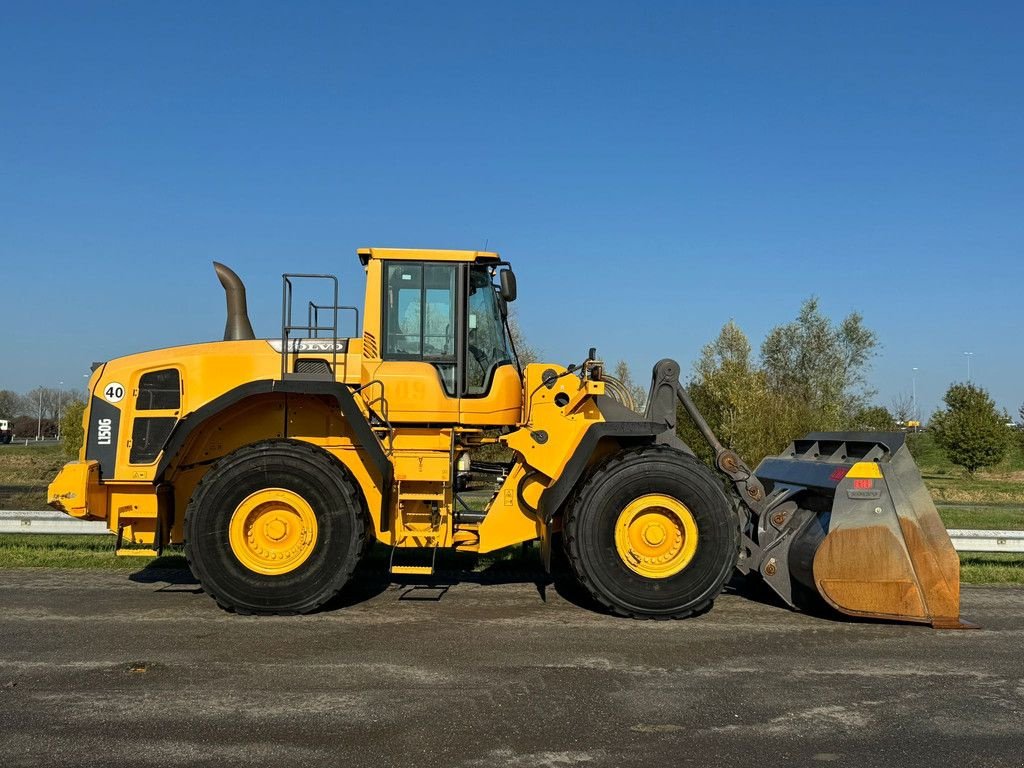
[[425, 254]]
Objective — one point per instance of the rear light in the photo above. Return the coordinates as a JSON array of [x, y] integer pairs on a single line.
[[863, 484], [838, 474]]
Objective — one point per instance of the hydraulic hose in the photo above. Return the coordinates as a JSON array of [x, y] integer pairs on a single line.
[[530, 474]]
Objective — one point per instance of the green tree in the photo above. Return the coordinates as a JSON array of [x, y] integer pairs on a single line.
[[875, 418], [970, 430], [731, 392], [71, 431], [811, 376], [821, 364]]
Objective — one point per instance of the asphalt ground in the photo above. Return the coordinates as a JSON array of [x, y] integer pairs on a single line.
[[103, 668]]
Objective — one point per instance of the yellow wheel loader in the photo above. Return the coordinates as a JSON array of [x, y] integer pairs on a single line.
[[278, 461]]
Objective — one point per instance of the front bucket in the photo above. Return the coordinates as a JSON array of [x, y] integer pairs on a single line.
[[886, 553]]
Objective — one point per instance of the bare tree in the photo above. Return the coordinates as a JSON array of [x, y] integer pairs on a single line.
[[37, 402], [636, 392], [903, 407], [11, 404], [524, 350], [51, 402]]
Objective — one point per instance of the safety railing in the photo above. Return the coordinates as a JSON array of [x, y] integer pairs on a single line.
[[313, 330], [314, 316]]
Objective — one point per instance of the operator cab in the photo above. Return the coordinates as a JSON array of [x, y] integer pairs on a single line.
[[443, 353]]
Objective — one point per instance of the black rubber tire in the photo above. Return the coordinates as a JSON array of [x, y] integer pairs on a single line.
[[590, 519], [300, 467]]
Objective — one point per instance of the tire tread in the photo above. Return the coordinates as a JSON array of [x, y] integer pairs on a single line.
[[574, 554], [311, 453]]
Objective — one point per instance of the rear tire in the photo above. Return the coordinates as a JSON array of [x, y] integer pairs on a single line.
[[594, 516], [330, 513]]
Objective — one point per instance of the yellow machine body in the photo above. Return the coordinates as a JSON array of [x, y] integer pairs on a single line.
[[397, 409]]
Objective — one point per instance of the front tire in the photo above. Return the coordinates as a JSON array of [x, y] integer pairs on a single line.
[[276, 527], [650, 533]]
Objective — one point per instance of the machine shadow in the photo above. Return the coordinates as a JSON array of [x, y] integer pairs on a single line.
[[175, 576], [517, 565], [171, 571]]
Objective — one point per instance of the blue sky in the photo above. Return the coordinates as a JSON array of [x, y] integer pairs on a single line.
[[652, 170]]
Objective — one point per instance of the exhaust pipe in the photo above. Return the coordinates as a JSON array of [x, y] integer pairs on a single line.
[[238, 327]]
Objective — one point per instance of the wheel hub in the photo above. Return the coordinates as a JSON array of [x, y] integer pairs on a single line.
[[272, 531], [656, 536], [276, 529]]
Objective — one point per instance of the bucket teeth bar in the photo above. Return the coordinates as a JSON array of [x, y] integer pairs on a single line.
[[883, 551]]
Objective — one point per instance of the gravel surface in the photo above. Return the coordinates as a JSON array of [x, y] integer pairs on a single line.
[[111, 669]]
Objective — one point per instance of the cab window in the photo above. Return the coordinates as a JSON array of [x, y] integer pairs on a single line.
[[419, 316]]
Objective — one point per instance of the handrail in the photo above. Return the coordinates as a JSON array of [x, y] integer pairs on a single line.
[[287, 324]]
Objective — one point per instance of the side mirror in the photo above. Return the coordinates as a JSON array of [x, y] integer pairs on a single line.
[[508, 285]]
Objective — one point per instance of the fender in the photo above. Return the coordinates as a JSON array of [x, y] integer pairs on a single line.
[[656, 425], [620, 423], [341, 393], [631, 433]]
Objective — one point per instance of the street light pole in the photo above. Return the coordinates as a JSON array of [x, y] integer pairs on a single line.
[[59, 395], [39, 423], [968, 355], [913, 396]]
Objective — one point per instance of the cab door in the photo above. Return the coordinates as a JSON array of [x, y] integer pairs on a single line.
[[492, 391]]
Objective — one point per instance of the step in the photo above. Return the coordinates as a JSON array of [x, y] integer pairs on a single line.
[[403, 496], [431, 534], [413, 570], [136, 552], [410, 554]]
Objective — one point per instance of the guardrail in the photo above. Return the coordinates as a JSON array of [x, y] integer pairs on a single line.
[[986, 541], [57, 522], [48, 522]]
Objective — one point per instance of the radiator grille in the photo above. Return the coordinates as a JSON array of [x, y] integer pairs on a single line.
[[159, 391], [312, 366]]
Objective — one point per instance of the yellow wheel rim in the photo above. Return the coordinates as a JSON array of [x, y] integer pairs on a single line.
[[656, 536], [273, 531]]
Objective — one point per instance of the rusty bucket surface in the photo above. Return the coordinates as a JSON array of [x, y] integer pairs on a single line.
[[885, 552]]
